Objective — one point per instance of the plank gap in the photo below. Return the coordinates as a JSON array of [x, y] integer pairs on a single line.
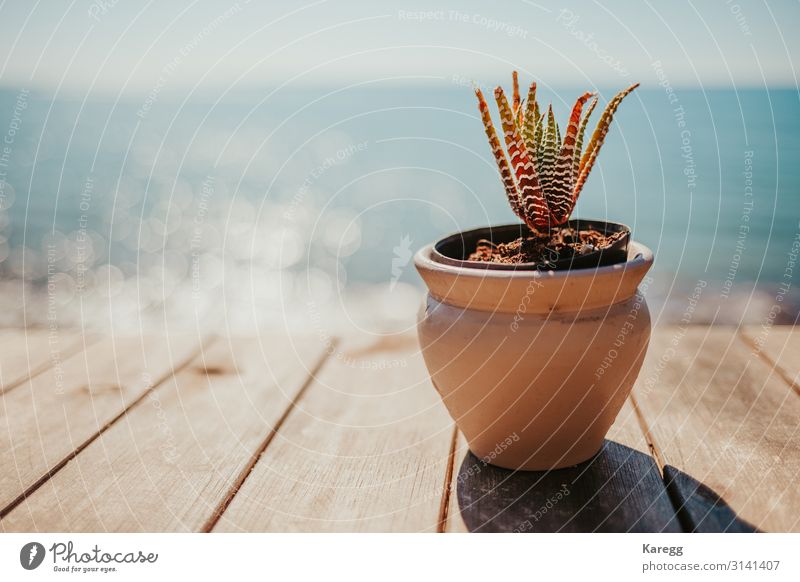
[[63, 462], [248, 468], [684, 520], [724, 428], [648, 437], [71, 349], [448, 478]]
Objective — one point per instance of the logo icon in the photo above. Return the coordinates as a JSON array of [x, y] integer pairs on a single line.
[[402, 255], [31, 555]]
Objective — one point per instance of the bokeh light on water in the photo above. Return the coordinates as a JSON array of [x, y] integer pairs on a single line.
[[210, 213]]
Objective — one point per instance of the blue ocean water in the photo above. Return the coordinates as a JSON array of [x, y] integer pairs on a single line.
[[329, 190]]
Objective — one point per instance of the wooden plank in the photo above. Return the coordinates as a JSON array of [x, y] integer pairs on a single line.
[[44, 422], [171, 463], [619, 490], [715, 411], [780, 346], [700, 509], [26, 353], [454, 523], [365, 449], [626, 430]]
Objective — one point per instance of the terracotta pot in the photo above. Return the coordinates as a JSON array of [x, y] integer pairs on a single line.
[[534, 366]]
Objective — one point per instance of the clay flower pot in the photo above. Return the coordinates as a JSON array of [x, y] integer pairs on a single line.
[[533, 366]]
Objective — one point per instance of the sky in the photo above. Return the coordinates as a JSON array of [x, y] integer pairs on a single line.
[[122, 46]]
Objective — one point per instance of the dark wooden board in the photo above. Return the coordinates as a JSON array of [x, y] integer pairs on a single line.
[[699, 508], [720, 412], [619, 490]]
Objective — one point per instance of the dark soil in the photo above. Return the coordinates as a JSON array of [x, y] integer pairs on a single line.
[[542, 248]]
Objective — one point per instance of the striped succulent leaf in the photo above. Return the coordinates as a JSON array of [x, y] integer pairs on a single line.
[[576, 158], [549, 153], [559, 196], [506, 176], [543, 174], [540, 130], [530, 119], [516, 102], [530, 192], [593, 149]]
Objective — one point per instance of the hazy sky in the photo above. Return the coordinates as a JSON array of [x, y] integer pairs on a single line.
[[133, 46]]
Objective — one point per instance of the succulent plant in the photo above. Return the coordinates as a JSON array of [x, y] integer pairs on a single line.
[[543, 175]]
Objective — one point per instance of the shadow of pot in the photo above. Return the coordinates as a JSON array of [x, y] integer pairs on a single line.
[[618, 490], [534, 366]]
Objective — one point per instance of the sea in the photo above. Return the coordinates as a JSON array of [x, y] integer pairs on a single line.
[[301, 208]]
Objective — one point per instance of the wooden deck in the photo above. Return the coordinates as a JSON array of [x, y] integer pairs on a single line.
[[277, 433]]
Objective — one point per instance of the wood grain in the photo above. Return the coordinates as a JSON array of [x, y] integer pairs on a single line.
[[619, 490], [26, 353], [52, 416], [174, 458], [365, 449], [779, 346], [368, 445], [715, 411]]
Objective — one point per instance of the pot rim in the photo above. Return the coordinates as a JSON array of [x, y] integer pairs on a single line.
[[639, 255], [532, 290], [441, 258]]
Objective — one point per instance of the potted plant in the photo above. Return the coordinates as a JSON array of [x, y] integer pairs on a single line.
[[534, 333]]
